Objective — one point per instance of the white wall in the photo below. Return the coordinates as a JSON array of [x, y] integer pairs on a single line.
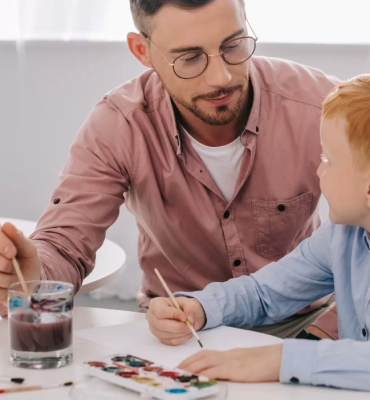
[[48, 88]]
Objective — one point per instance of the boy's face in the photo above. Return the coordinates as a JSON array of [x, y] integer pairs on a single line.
[[344, 185]]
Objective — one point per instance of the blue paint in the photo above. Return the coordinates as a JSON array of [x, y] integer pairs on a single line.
[[177, 391]]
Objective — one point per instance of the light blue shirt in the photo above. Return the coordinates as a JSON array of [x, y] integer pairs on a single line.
[[334, 257]]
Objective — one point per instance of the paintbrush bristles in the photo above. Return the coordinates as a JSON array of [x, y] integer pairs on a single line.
[[29, 388], [14, 380]]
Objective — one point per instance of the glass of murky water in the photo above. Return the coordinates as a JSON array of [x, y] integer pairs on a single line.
[[40, 324]]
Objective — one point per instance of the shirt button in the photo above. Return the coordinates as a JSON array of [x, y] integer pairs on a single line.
[[364, 332], [237, 263], [294, 380], [56, 201], [281, 207], [226, 215]]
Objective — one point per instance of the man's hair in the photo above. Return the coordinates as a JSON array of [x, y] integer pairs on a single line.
[[351, 100], [144, 10]]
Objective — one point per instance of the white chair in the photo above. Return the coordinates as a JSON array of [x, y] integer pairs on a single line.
[[110, 258]]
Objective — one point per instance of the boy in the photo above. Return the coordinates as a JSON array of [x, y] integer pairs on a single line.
[[336, 257]]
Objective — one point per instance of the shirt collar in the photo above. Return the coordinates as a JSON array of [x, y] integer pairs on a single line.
[[254, 116], [367, 238]]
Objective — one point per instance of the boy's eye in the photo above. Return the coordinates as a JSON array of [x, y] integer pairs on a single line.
[[323, 158]]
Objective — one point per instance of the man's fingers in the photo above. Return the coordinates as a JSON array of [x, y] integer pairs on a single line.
[[7, 247], [162, 334], [3, 296], [7, 279], [24, 248], [6, 265]]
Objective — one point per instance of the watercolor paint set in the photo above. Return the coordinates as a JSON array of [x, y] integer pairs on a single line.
[[154, 380]]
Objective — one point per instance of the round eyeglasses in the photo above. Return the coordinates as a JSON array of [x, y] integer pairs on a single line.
[[191, 64]]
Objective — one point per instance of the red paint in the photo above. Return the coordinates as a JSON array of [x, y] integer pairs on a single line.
[[97, 364], [127, 374], [2, 391], [169, 374]]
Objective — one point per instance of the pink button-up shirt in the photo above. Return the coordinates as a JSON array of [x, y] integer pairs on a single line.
[[132, 150]]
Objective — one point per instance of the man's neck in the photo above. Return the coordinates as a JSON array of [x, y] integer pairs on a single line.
[[215, 136]]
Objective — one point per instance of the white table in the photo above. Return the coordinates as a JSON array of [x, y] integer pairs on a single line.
[[110, 258], [85, 318]]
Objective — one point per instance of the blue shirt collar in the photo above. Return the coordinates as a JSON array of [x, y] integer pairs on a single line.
[[367, 238]]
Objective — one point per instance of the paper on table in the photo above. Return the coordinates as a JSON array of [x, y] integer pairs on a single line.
[[136, 339]]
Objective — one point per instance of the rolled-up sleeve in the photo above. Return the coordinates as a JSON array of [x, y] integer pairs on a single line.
[[99, 170]]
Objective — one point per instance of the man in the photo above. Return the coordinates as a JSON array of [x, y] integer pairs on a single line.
[[213, 151]]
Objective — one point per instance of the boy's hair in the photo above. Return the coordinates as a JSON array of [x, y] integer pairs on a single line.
[[351, 100], [143, 10]]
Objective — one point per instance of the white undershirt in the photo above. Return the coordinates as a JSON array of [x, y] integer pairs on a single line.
[[223, 163]]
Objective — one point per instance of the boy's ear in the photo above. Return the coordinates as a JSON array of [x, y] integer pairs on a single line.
[[138, 46], [368, 189]]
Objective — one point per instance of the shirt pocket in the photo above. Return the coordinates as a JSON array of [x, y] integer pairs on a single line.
[[279, 223]]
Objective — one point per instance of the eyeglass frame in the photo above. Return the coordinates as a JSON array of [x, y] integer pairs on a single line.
[[221, 53]]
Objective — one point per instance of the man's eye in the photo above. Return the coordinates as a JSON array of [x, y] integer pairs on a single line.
[[190, 58]]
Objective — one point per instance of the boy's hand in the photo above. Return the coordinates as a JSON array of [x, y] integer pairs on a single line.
[[14, 243], [260, 364], [168, 323]]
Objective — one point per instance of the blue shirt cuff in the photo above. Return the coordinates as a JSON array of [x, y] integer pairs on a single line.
[[298, 360], [210, 306]]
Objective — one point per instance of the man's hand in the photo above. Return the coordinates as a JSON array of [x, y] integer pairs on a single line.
[[260, 364], [14, 243], [168, 323]]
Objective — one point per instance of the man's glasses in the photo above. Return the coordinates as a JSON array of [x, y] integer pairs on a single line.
[[192, 64]]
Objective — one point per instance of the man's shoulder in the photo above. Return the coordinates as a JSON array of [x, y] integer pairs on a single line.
[[141, 93], [293, 81]]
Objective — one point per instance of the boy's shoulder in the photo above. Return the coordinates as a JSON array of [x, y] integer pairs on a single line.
[[342, 238]]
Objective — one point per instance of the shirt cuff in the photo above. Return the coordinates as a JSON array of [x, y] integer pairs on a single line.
[[298, 360], [210, 307]]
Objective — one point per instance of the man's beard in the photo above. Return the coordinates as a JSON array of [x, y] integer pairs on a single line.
[[224, 114]]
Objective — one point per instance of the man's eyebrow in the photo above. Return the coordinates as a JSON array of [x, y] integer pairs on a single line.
[[200, 48]]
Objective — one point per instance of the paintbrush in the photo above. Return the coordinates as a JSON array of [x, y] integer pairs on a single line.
[[20, 276], [13, 380], [176, 304], [38, 387]]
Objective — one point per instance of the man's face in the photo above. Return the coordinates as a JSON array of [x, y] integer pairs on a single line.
[[218, 95], [341, 181]]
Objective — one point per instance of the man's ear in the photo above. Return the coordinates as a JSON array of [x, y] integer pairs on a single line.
[[138, 46]]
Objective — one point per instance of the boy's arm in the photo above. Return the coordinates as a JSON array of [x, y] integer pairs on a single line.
[[276, 291], [343, 363]]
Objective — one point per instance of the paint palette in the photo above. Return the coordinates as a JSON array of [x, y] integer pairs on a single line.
[[151, 379]]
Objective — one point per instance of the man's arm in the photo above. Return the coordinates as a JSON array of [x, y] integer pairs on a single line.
[[274, 292], [326, 326], [99, 170]]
